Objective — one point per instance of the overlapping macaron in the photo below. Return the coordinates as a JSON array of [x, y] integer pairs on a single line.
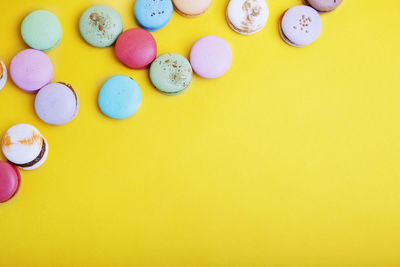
[[247, 16], [324, 5], [100, 25]]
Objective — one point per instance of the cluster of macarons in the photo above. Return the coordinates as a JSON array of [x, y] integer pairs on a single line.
[[171, 73], [302, 25]]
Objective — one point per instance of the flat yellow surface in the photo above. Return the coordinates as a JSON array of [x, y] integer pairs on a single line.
[[291, 159]]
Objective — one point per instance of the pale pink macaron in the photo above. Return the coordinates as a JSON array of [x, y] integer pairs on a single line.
[[211, 57], [31, 69]]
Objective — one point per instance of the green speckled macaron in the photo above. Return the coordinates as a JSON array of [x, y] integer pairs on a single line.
[[171, 73], [41, 30], [100, 25]]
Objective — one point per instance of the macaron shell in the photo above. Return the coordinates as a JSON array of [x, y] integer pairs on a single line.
[[247, 16], [120, 97], [211, 57], [10, 181], [301, 25], [56, 104], [31, 69], [3, 75], [136, 48], [41, 161], [100, 25], [22, 143], [324, 5], [41, 30], [192, 8], [171, 73], [153, 15]]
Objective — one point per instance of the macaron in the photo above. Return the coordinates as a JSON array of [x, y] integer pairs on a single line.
[[247, 16], [300, 26], [324, 5], [10, 180], [191, 8], [41, 30], [31, 69], [100, 25], [211, 57], [120, 97], [153, 15], [57, 103], [24, 146], [3, 74], [171, 73], [136, 48]]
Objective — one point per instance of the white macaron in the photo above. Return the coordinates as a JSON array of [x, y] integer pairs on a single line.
[[24, 146], [247, 16], [3, 74]]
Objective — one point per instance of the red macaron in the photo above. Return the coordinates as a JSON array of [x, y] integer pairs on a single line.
[[10, 180], [136, 48]]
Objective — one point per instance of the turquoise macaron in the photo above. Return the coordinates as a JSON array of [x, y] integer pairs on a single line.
[[41, 30], [120, 97], [153, 15], [100, 25], [171, 73]]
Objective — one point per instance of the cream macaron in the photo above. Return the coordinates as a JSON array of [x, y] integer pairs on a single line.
[[191, 8], [24, 146], [247, 16], [3, 74]]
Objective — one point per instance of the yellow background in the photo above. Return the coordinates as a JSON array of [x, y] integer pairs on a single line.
[[291, 159]]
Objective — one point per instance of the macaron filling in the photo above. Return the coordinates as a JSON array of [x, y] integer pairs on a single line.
[[36, 160]]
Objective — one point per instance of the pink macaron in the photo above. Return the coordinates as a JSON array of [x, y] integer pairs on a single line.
[[136, 48], [31, 69], [10, 180], [211, 57]]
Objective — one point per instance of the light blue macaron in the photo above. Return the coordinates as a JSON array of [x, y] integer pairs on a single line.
[[152, 15], [120, 97]]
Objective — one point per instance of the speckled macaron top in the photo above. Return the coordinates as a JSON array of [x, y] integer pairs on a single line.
[[324, 5], [153, 15], [171, 73], [100, 25], [247, 16], [301, 26], [41, 30]]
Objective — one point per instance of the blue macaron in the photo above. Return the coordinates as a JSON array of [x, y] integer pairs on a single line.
[[152, 15], [120, 97]]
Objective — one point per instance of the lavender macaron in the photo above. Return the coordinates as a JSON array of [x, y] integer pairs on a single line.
[[324, 5], [57, 103], [31, 69]]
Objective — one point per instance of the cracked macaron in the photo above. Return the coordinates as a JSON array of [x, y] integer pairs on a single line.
[[3, 74], [24, 146], [247, 16], [300, 26], [153, 15], [57, 103], [324, 5], [10, 180], [171, 73], [41, 30], [100, 25]]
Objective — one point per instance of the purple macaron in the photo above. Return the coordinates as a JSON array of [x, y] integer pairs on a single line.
[[57, 103], [31, 69], [211, 57]]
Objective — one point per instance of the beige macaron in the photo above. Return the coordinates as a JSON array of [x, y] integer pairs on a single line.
[[191, 8]]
